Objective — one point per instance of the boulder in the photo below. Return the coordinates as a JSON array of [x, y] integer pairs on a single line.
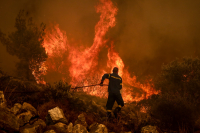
[[16, 108], [2, 100], [26, 112], [98, 128], [81, 120], [37, 127], [8, 121], [78, 128], [61, 127], [70, 128], [41, 123], [24, 117], [50, 131], [149, 129], [28, 107], [63, 120], [49, 121], [55, 115], [29, 129]]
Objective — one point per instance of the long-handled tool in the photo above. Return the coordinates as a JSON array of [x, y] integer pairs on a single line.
[[88, 86]]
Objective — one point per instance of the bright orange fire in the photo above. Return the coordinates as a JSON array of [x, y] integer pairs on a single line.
[[81, 65]]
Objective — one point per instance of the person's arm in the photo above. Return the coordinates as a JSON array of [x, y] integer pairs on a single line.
[[120, 84], [104, 77]]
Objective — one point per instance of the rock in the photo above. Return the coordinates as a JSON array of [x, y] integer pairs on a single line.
[[81, 120], [28, 107], [16, 108], [33, 120], [70, 128], [56, 114], [61, 127], [50, 131], [63, 120], [41, 123], [24, 117], [28, 129], [78, 128], [98, 128], [149, 129], [8, 121], [2, 100], [37, 127]]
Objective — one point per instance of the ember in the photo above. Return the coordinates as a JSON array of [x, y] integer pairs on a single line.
[[81, 65]]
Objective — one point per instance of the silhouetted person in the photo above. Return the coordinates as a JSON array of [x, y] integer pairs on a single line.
[[114, 94]]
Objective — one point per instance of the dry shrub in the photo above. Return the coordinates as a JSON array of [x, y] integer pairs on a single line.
[[43, 109], [19, 91], [59, 91], [172, 112]]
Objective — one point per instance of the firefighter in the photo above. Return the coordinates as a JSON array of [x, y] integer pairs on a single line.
[[114, 93]]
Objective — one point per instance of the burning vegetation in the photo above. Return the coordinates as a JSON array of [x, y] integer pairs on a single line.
[[81, 64]]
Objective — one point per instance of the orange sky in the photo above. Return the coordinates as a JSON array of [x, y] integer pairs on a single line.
[[147, 33]]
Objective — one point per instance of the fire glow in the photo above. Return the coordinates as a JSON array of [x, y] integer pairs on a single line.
[[81, 65]]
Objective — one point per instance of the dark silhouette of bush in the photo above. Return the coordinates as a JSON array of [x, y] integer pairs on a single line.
[[26, 43], [174, 112], [177, 105], [182, 77], [17, 90]]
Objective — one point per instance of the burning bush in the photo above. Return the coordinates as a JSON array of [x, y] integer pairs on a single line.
[[177, 106]]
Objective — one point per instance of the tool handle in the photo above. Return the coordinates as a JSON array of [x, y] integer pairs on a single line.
[[89, 86]]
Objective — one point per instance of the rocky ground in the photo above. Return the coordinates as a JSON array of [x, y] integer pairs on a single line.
[[24, 118], [44, 111]]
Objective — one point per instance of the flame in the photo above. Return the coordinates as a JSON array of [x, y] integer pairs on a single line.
[[81, 66]]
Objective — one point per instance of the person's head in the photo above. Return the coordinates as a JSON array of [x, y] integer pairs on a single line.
[[115, 70]]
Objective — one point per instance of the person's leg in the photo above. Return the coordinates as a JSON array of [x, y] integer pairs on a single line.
[[119, 100], [110, 104], [120, 103]]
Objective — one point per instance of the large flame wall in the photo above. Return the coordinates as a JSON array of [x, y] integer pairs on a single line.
[[80, 65]]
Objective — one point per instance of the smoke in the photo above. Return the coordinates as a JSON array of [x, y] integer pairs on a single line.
[[147, 33], [150, 33], [77, 18]]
